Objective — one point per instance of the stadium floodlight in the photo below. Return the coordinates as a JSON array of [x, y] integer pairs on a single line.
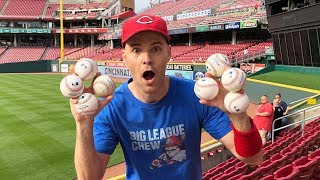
[[61, 35]]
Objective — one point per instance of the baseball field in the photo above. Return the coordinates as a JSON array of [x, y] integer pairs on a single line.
[[37, 131]]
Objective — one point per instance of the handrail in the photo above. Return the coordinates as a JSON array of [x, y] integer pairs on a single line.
[[298, 122]]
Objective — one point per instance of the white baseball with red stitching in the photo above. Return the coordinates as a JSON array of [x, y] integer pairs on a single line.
[[217, 63], [103, 86], [87, 104], [206, 88], [236, 102], [71, 86], [233, 79], [86, 68]]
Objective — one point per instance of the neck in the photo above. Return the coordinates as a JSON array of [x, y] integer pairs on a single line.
[[150, 97]]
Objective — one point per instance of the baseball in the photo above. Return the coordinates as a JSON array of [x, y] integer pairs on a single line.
[[235, 102], [103, 86], [71, 86], [87, 104], [217, 63], [233, 79], [206, 88], [86, 68]]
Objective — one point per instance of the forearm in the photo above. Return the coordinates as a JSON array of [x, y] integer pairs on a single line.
[[240, 121], [247, 141], [86, 159], [263, 114]]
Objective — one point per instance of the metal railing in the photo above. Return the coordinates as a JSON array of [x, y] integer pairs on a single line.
[[302, 122]]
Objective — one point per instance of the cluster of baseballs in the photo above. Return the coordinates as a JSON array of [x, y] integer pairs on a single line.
[[72, 86], [232, 79]]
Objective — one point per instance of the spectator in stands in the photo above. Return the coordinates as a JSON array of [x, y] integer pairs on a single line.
[[200, 59], [285, 108], [263, 118], [278, 112], [149, 109]]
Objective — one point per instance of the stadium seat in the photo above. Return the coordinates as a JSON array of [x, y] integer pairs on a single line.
[[287, 172], [315, 155], [242, 167], [290, 153], [266, 167], [279, 160], [267, 177], [255, 175], [305, 166]]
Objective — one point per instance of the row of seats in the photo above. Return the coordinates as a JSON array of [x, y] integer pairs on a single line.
[[24, 8], [185, 54], [292, 156]]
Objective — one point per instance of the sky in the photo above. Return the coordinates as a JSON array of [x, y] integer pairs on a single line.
[[141, 4]]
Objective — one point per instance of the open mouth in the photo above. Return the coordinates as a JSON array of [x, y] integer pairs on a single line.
[[148, 75]]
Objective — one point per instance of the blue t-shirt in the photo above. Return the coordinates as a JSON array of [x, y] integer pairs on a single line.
[[159, 140]]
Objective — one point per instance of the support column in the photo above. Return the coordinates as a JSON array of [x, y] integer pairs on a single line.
[[234, 37], [92, 40], [15, 40], [111, 44], [75, 43], [190, 39], [55, 40]]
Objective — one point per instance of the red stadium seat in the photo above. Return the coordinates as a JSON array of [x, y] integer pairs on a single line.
[[266, 167], [315, 155], [305, 166], [255, 175], [267, 177], [287, 172], [278, 160], [290, 153]]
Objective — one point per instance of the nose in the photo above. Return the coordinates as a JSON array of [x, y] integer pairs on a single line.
[[146, 58]]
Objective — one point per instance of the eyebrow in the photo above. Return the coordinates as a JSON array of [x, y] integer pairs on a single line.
[[138, 44]]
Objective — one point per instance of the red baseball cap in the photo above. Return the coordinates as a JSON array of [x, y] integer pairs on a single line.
[[144, 23]]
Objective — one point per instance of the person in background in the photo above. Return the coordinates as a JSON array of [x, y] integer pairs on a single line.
[[263, 118], [278, 112], [285, 108]]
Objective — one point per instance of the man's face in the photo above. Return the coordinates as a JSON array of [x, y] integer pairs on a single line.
[[146, 54], [172, 150], [263, 100], [277, 97]]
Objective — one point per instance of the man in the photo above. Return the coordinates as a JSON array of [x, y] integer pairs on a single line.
[[149, 109], [263, 118], [285, 108], [278, 112]]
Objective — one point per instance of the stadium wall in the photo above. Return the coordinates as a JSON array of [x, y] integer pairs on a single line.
[[29, 67]]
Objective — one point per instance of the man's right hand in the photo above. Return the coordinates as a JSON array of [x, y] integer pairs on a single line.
[[102, 103]]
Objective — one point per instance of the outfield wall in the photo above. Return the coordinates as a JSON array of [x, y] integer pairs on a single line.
[[30, 67]]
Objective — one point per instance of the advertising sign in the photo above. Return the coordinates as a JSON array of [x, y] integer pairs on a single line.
[[117, 72], [194, 14], [179, 31], [182, 67], [248, 24], [216, 27], [64, 68], [180, 74], [234, 25], [202, 28]]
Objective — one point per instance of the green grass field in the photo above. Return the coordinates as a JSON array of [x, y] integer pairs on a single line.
[[37, 131], [296, 79]]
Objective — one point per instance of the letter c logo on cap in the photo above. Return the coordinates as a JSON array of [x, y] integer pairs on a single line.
[[145, 20]]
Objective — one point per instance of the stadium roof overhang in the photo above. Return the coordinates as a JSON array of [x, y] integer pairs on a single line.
[[123, 15]]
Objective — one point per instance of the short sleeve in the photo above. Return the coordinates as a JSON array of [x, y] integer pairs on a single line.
[[105, 137], [216, 122]]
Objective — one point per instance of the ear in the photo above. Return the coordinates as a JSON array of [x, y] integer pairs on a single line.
[[124, 57]]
